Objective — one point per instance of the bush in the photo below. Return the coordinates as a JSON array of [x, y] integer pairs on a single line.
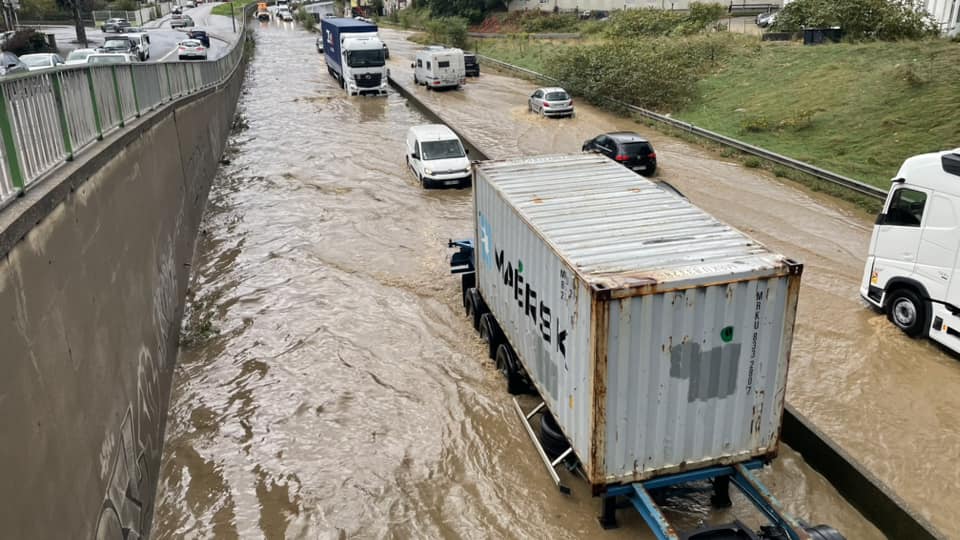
[[751, 162], [26, 42], [651, 73], [652, 22], [536, 22], [414, 18], [860, 19], [306, 19], [451, 31]]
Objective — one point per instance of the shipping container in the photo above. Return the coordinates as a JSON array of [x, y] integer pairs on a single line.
[[658, 336]]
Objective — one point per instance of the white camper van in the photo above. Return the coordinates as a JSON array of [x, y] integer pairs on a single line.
[[913, 268], [439, 67]]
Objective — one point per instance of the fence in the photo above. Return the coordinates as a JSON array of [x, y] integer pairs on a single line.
[[827, 176], [47, 118]]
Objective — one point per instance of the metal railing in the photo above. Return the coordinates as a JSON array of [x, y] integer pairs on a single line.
[[46, 118], [821, 174]]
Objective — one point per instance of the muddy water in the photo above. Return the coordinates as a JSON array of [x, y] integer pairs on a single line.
[[331, 387], [888, 400]]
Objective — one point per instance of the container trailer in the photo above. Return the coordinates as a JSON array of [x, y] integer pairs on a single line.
[[657, 337]]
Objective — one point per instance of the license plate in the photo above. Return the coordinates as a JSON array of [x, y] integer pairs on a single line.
[[640, 168], [451, 182]]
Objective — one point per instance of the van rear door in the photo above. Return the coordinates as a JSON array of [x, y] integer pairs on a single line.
[[899, 230]]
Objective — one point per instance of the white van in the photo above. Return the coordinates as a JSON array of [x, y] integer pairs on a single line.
[[437, 157], [913, 268], [439, 67], [141, 44]]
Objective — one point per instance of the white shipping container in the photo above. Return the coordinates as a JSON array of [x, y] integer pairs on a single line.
[[658, 336]]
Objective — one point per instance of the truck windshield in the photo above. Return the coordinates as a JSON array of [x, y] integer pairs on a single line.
[[441, 149], [372, 58]]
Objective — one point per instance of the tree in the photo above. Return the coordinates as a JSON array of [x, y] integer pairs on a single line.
[[74, 6]]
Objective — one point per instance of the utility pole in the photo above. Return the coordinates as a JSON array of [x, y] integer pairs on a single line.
[[233, 18]]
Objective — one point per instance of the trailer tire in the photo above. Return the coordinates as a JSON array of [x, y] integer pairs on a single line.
[[490, 334], [508, 366], [475, 307], [551, 437], [823, 532], [907, 312], [468, 280]]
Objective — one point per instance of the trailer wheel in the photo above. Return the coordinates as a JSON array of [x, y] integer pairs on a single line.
[[907, 311], [490, 334], [507, 365], [552, 439], [823, 532], [475, 307], [468, 280]]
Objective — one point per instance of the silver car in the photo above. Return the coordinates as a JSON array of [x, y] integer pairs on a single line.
[[551, 102], [11, 65], [41, 61], [191, 48]]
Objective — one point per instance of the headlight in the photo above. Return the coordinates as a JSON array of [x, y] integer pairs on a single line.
[[467, 170], [427, 170]]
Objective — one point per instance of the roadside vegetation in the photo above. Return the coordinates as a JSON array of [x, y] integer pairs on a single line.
[[224, 8], [857, 108]]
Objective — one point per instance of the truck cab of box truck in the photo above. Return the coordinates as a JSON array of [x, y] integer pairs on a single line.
[[439, 67], [913, 269], [354, 55]]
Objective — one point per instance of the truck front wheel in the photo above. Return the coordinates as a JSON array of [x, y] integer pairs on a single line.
[[907, 311]]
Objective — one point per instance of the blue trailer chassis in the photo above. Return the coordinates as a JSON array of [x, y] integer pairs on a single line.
[[638, 494]]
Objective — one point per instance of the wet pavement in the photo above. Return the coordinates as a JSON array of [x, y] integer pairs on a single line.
[[329, 385], [885, 398]]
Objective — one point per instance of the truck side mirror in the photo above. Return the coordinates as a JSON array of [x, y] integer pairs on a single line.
[[881, 217], [412, 65], [415, 155], [466, 151]]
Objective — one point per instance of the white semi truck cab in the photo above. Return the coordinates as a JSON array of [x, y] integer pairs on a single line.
[[913, 266], [355, 55]]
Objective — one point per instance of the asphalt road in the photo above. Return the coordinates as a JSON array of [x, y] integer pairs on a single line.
[[163, 39]]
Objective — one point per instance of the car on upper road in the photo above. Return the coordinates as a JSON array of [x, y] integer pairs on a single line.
[[284, 15], [11, 65], [552, 101], [40, 61], [176, 10], [111, 58], [626, 148], [437, 157], [118, 45], [192, 49], [115, 25], [184, 21], [79, 56], [766, 19], [190, 4], [471, 64], [200, 35]]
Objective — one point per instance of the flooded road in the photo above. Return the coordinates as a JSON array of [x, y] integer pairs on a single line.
[[329, 385], [888, 400]]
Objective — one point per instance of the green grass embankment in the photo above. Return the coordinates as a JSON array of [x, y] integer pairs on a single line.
[[854, 109]]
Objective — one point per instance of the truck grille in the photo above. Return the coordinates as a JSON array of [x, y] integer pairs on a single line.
[[367, 80]]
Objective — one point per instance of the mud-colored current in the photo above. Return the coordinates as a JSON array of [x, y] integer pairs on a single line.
[[330, 387]]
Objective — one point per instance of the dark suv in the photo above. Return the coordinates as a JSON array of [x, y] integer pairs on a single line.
[[627, 148], [200, 35], [472, 65]]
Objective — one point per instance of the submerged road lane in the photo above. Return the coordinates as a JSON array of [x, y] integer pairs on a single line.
[[885, 398], [329, 385]]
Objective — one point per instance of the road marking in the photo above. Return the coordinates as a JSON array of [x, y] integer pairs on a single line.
[[164, 57]]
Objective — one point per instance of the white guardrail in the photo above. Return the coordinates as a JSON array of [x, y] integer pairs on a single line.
[[47, 117], [822, 174]]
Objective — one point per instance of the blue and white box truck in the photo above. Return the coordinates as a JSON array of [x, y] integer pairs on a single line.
[[354, 55]]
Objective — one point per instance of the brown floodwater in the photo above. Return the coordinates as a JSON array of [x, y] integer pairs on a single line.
[[890, 401], [329, 385]]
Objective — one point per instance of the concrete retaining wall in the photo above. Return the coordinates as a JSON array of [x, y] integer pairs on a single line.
[[94, 269]]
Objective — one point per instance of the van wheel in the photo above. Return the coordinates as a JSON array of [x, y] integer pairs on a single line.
[[907, 311], [508, 366]]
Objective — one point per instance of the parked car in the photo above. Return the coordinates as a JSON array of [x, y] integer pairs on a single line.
[[626, 148], [111, 58], [191, 49], [183, 21], [79, 56], [177, 10], [437, 157], [551, 102], [115, 25], [766, 19], [11, 65], [471, 64], [40, 61], [119, 45], [201, 36]]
